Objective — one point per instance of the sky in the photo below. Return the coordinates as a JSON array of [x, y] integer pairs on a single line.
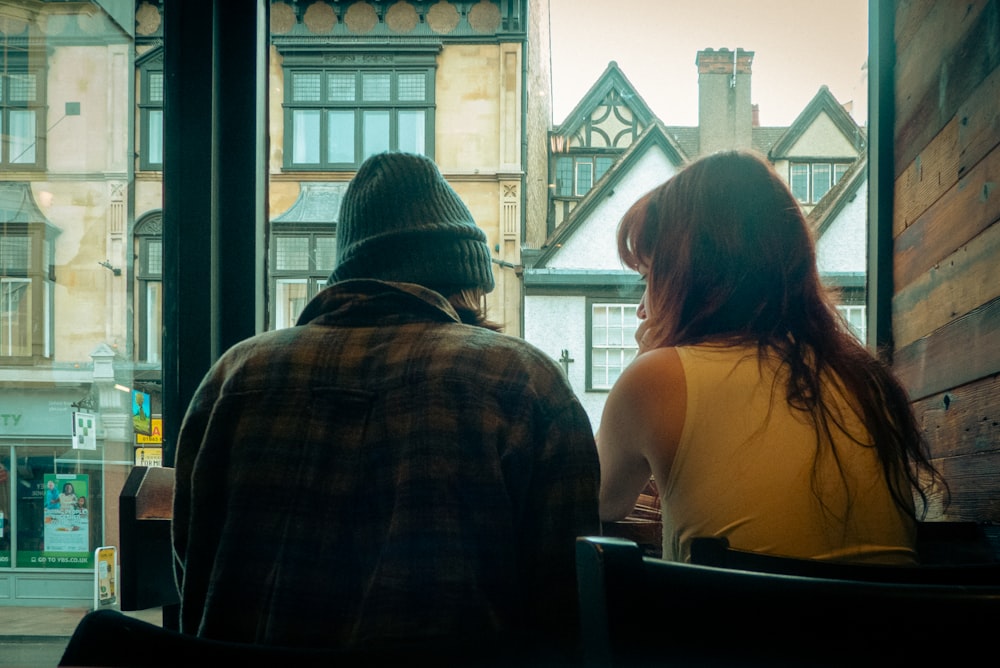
[[798, 45]]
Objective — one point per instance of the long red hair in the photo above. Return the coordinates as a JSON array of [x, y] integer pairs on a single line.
[[730, 258]]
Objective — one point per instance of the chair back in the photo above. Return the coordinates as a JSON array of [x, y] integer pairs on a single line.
[[643, 611], [716, 551], [145, 511]]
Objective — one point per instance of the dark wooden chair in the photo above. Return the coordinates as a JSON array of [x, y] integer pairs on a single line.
[[110, 639], [145, 549], [716, 551], [643, 611]]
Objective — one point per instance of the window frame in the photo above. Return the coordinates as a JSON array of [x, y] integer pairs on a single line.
[[628, 340], [15, 61], [575, 162], [360, 65], [151, 64], [148, 230], [40, 275], [314, 276], [836, 170]]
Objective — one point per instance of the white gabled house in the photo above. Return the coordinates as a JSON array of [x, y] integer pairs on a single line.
[[579, 301]]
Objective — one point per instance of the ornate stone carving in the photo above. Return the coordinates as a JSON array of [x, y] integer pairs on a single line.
[[485, 17], [361, 18], [401, 17], [319, 18], [442, 17], [282, 18], [147, 19]]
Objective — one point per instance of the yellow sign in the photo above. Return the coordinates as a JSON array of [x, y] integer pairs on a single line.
[[149, 456], [156, 433], [106, 566]]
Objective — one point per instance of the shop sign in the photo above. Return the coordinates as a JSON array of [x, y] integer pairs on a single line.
[[105, 567], [155, 433], [149, 456]]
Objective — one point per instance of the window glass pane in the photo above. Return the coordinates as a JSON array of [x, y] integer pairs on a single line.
[[821, 180], [411, 131], [14, 254], [290, 298], [584, 177], [22, 136], [602, 166], [340, 136], [154, 320], [412, 87], [800, 182], [154, 257], [156, 87], [23, 87], [306, 87], [154, 151], [15, 317], [326, 253], [838, 171], [564, 177], [305, 136], [375, 87], [376, 132], [612, 342], [341, 87], [291, 253]]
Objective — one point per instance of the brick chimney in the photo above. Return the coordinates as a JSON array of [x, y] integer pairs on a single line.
[[755, 115], [725, 116]]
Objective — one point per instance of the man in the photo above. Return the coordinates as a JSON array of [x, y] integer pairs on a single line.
[[391, 470]]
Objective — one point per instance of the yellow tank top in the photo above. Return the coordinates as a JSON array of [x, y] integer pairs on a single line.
[[747, 468]]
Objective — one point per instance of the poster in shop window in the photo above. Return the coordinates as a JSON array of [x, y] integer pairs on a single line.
[[66, 514]]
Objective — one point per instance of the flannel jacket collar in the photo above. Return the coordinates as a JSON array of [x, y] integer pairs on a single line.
[[362, 301]]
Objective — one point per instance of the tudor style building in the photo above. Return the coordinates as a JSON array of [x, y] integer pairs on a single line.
[[579, 302]]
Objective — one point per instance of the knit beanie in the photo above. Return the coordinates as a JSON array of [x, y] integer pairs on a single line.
[[401, 221]]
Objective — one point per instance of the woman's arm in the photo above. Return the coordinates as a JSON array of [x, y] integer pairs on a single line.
[[640, 428]]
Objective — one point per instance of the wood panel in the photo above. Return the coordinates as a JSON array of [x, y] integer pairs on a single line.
[[962, 421], [968, 208], [946, 241], [925, 105], [973, 492], [968, 137], [963, 351], [963, 281], [926, 34], [933, 171]]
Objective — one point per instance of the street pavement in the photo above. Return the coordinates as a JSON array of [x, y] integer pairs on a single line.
[[33, 637]]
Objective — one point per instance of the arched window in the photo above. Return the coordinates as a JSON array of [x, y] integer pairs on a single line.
[[149, 287]]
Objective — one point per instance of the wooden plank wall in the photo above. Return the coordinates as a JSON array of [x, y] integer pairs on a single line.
[[946, 231]]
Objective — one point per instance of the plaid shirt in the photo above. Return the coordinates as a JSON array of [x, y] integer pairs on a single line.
[[381, 472]]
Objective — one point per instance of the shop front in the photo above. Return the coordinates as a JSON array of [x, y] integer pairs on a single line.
[[55, 474]]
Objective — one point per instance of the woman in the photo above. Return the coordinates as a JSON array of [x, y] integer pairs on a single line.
[[67, 500], [757, 412]]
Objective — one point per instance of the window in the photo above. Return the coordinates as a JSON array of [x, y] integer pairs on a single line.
[[575, 176], [149, 287], [809, 181], [26, 291], [151, 112], [612, 342], [301, 263], [336, 116], [855, 316], [22, 111]]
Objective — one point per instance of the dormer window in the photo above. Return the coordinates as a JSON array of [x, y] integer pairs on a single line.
[[809, 181]]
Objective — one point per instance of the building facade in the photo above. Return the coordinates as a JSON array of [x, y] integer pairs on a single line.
[[81, 217]]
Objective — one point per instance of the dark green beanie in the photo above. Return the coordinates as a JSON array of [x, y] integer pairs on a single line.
[[401, 221]]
